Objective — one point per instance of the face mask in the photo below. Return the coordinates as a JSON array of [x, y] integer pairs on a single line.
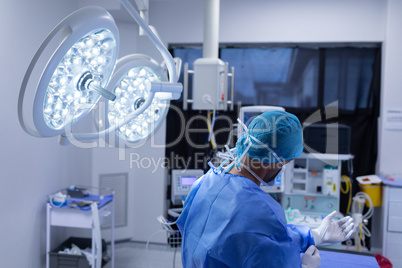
[[269, 184], [272, 182], [277, 177], [255, 175]]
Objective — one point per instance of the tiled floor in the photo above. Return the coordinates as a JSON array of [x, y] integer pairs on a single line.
[[135, 255]]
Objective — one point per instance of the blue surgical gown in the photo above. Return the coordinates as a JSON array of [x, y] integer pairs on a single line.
[[228, 221]]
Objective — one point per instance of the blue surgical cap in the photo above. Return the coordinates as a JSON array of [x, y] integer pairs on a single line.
[[280, 131]]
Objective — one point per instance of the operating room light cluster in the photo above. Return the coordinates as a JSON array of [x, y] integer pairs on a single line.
[[131, 92], [84, 67], [94, 53]]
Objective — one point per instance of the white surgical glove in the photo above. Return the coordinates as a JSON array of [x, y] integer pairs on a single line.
[[311, 258], [333, 231]]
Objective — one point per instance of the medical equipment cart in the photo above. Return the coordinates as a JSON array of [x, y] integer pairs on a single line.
[[76, 217], [313, 183]]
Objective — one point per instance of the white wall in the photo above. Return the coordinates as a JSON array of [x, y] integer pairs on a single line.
[[31, 168], [391, 140], [274, 21]]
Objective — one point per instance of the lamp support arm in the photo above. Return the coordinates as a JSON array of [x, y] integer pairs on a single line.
[[154, 38]]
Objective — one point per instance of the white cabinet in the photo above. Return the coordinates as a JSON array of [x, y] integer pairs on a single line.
[[392, 224]]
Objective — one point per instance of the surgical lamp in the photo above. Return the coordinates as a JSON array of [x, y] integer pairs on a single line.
[[78, 75], [132, 85]]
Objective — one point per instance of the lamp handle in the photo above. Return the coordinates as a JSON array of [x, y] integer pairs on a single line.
[[91, 136]]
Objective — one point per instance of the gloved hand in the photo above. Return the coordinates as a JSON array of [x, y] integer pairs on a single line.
[[333, 231], [311, 258]]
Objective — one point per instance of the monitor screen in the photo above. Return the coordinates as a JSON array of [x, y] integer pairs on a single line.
[[187, 181]]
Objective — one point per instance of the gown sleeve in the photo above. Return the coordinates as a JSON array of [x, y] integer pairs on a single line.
[[301, 235], [270, 253]]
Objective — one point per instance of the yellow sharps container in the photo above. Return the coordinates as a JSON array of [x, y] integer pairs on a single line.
[[371, 185]]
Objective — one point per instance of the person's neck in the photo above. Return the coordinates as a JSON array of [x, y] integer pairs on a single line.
[[245, 173], [263, 173]]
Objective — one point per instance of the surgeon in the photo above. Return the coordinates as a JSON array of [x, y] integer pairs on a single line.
[[228, 221]]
